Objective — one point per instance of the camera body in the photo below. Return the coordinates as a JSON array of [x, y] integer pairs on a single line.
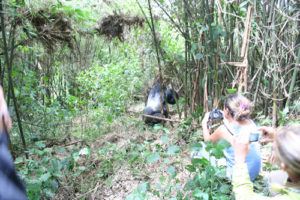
[[215, 114]]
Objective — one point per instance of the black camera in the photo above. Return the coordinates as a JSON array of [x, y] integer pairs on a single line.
[[215, 114]]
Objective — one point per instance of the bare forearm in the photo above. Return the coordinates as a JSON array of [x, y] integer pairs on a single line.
[[206, 133]]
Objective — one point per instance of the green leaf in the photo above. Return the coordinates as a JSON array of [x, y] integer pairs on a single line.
[[45, 159], [48, 193], [166, 130], [173, 150], [225, 189], [198, 56], [199, 194], [34, 185], [54, 185], [18, 160], [157, 127], [164, 138], [190, 185], [153, 157], [40, 145], [144, 187], [217, 151], [230, 91], [205, 28], [61, 150], [55, 164], [196, 147], [171, 171], [194, 47], [199, 162], [196, 161], [243, 4], [79, 12], [223, 143], [190, 168], [76, 156], [45, 177]]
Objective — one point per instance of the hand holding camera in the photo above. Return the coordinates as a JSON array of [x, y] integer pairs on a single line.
[[267, 134]]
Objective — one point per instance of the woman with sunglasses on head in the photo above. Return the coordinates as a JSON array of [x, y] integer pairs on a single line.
[[237, 110], [287, 153]]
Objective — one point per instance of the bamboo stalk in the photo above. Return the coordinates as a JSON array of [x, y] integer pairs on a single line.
[[186, 59], [295, 72], [217, 86], [275, 75], [243, 70], [195, 86]]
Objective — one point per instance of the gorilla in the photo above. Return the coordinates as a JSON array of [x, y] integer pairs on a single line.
[[153, 103]]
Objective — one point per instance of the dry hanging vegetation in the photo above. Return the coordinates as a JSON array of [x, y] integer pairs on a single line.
[[113, 25], [49, 28], [53, 29]]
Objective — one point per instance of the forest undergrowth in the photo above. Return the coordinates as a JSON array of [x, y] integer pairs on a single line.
[[130, 161]]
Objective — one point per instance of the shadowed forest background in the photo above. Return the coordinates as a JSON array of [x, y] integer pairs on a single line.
[[76, 74]]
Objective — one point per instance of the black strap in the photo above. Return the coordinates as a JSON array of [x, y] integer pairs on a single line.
[[228, 129], [4, 125]]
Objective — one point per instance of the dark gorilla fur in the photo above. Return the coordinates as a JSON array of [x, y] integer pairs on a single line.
[[153, 103]]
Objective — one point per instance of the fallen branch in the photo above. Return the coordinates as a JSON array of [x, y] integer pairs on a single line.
[[161, 118], [166, 119], [73, 143]]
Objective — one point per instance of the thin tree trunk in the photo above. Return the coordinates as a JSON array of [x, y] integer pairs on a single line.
[[186, 59], [9, 64]]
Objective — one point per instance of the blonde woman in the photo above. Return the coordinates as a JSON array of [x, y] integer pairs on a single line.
[[237, 110], [287, 150]]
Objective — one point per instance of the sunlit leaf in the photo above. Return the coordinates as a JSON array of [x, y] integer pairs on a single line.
[[153, 157], [171, 171], [173, 150], [200, 194], [45, 177]]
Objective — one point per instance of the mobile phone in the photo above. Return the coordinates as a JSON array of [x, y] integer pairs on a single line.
[[254, 136]]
